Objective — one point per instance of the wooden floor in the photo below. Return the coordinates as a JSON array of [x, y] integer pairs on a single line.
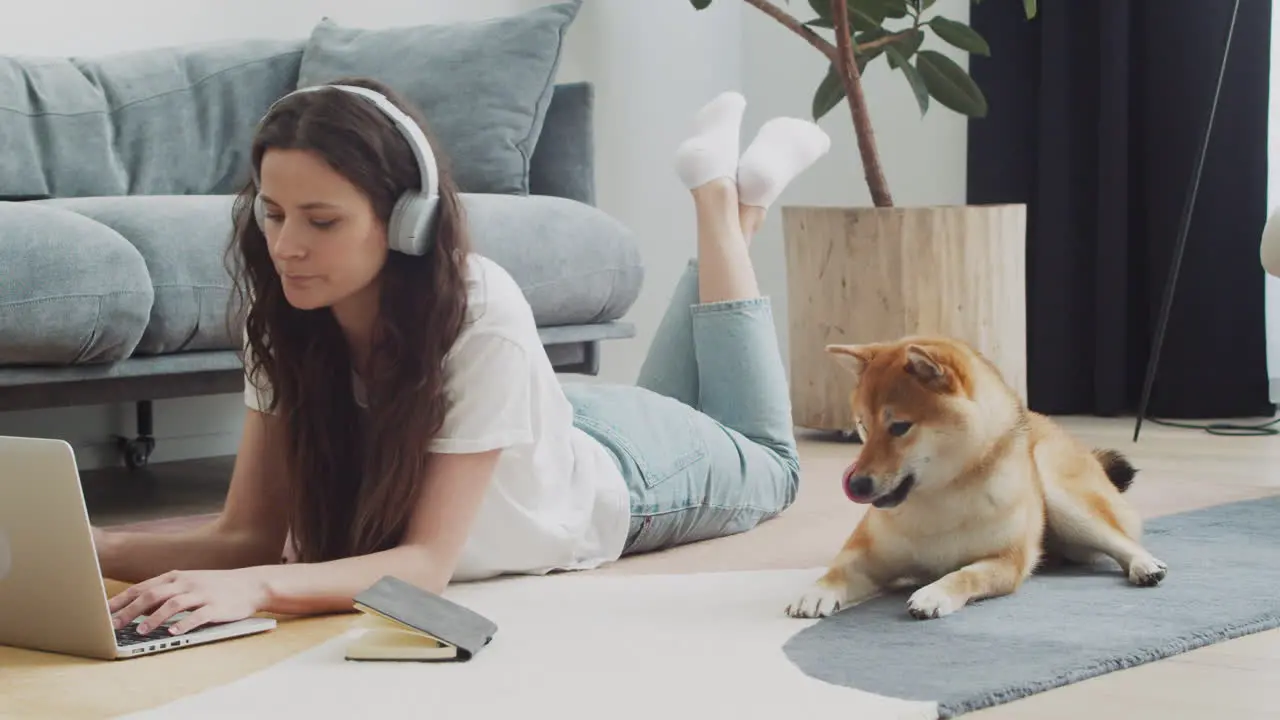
[[1181, 469], [117, 496]]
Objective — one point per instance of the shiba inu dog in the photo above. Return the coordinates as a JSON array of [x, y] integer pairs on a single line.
[[968, 490]]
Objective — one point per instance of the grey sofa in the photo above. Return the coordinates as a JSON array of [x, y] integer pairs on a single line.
[[117, 175]]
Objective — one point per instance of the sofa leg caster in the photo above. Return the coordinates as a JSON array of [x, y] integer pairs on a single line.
[[137, 451]]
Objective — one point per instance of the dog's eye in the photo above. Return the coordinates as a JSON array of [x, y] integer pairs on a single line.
[[899, 429]]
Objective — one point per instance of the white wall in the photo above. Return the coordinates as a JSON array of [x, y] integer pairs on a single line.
[[85, 27], [645, 99]]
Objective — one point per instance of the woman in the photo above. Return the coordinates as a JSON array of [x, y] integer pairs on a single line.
[[404, 418]]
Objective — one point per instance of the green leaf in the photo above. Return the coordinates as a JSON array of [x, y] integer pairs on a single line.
[[896, 9], [822, 8], [1030, 7], [864, 58], [874, 33], [867, 36], [906, 47], [865, 14], [829, 93], [949, 84], [700, 4], [960, 35], [918, 87]]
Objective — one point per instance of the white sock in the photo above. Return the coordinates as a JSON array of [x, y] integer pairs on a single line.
[[784, 148], [712, 151]]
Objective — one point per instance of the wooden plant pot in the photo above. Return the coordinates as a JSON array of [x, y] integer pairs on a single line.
[[857, 275]]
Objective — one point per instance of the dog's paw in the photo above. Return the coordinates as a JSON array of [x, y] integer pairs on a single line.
[[1147, 571], [932, 601], [819, 601]]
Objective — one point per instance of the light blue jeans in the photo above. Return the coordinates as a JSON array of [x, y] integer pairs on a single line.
[[705, 438]]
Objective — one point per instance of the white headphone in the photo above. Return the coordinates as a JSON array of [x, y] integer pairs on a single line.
[[408, 229]]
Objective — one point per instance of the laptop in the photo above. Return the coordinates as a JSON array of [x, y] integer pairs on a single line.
[[52, 594]]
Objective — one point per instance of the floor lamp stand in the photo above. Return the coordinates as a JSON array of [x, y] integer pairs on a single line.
[[1171, 283]]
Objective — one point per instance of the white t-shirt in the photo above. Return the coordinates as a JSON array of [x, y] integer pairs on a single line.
[[556, 501]]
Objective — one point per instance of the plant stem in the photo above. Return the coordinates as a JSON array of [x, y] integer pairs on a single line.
[[831, 52], [841, 55], [813, 38], [887, 39], [852, 79]]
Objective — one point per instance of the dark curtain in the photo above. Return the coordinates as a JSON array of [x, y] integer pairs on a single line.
[[1097, 110]]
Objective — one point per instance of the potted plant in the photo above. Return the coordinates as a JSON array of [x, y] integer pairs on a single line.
[[862, 274]]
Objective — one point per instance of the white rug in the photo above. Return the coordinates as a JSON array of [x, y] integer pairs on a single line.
[[578, 646]]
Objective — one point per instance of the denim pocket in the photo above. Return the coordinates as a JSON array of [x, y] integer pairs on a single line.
[[655, 432]]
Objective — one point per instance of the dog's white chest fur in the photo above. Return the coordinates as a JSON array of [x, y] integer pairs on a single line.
[[936, 535]]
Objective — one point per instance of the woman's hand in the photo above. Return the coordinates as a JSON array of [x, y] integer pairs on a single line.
[[210, 596]]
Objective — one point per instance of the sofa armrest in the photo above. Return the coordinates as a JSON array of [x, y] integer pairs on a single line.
[[563, 161]]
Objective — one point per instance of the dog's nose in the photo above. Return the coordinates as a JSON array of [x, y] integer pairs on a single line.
[[857, 488]]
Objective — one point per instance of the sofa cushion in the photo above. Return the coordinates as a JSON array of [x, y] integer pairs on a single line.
[[74, 290], [157, 267], [55, 134], [183, 239], [575, 263], [155, 122], [483, 86]]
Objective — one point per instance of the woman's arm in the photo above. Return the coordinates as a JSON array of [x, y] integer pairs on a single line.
[[484, 417], [452, 490], [250, 531], [451, 494]]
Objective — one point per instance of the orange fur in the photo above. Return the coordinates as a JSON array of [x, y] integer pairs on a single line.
[[969, 490]]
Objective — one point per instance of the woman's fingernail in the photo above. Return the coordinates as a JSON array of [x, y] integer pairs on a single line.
[[144, 629]]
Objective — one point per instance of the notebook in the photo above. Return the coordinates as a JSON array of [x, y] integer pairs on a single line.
[[406, 623]]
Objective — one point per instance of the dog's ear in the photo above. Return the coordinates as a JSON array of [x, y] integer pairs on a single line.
[[853, 358], [924, 365], [937, 368]]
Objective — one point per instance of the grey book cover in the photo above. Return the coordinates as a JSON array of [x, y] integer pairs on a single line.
[[449, 622]]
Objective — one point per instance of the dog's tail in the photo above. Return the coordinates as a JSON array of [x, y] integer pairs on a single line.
[[1117, 467]]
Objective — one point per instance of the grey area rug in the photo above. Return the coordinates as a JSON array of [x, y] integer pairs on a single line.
[[1066, 624]]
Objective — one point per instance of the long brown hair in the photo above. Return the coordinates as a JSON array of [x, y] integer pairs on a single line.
[[352, 478]]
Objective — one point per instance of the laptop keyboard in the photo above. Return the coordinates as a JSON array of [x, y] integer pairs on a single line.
[[129, 635]]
